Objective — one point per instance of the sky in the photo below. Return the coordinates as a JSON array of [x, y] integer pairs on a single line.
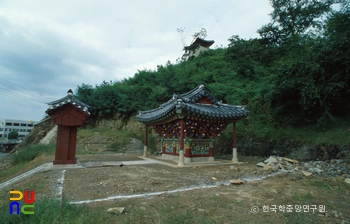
[[49, 47]]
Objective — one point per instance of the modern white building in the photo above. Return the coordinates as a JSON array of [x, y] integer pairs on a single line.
[[23, 127]]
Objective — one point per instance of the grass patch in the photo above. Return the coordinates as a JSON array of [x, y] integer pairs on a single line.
[[298, 217], [265, 132], [50, 211], [89, 132], [335, 188], [188, 218], [21, 159], [5, 173], [304, 197], [122, 137], [321, 184], [29, 153]]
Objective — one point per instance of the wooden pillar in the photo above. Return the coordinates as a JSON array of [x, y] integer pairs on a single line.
[[145, 141], [181, 153], [234, 150], [72, 143], [187, 155], [211, 154], [65, 145]]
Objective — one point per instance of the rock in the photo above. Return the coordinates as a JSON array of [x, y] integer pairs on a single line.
[[290, 160], [288, 166], [261, 164], [232, 167], [116, 210], [275, 168], [237, 181], [214, 178], [267, 167], [302, 153], [307, 174], [306, 165], [344, 153], [311, 170], [271, 161], [317, 170], [347, 180]]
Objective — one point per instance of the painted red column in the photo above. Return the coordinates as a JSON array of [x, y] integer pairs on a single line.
[[188, 152], [211, 151], [182, 135], [145, 141]]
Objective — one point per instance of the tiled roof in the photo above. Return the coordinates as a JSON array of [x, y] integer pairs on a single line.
[[202, 42], [69, 99], [187, 103]]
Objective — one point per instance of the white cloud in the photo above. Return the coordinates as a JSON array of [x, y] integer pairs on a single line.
[[51, 46]]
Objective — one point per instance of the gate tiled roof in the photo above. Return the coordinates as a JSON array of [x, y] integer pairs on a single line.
[[69, 99]]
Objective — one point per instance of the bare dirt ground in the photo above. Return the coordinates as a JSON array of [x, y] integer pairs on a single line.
[[213, 199]]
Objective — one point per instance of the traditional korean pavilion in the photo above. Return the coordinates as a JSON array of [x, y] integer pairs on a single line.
[[189, 123]]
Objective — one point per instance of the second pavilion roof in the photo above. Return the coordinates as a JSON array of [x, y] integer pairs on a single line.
[[195, 103]]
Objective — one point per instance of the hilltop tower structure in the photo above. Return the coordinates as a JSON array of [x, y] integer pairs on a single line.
[[198, 46]]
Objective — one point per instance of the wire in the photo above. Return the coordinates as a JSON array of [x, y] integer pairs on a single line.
[[16, 91]]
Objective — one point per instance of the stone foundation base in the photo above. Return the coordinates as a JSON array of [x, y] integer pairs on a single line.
[[64, 162], [188, 160]]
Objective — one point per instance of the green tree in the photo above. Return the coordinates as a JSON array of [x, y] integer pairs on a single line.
[[13, 134], [294, 17], [336, 61]]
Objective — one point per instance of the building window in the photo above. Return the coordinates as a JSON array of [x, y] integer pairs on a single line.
[[8, 124], [15, 124], [22, 130], [28, 130], [30, 125], [24, 125], [1, 129]]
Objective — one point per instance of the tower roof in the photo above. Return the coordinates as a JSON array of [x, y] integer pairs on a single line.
[[202, 42]]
